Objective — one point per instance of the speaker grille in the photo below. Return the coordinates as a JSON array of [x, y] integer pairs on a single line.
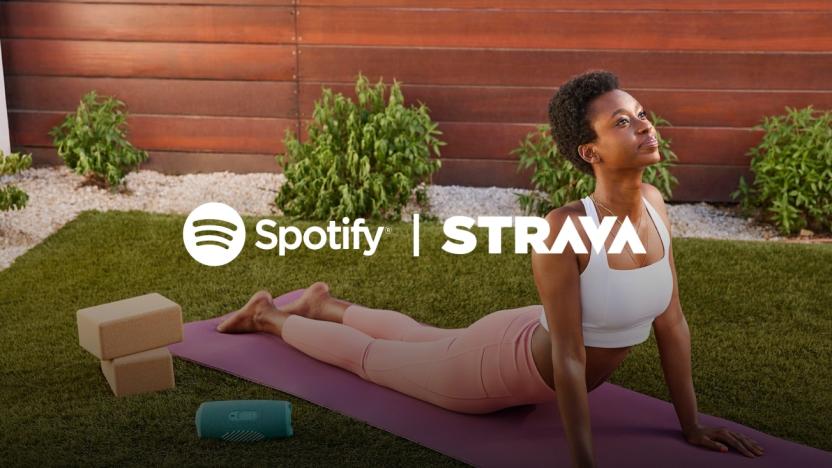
[[243, 436]]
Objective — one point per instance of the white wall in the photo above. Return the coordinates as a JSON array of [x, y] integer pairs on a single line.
[[4, 117]]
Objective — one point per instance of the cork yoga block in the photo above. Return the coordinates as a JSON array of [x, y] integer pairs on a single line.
[[129, 326], [147, 371]]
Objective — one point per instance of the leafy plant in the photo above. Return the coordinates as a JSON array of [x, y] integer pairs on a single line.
[[556, 181], [11, 197], [92, 142], [792, 169], [361, 159]]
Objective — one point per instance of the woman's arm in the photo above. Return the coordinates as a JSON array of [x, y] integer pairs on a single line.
[[573, 404], [673, 337], [558, 283], [673, 340]]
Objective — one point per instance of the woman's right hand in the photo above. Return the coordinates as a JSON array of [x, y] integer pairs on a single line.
[[710, 437]]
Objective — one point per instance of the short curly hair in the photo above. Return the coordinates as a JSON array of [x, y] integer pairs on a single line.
[[568, 113]]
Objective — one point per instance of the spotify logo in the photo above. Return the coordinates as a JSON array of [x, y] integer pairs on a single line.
[[214, 234]]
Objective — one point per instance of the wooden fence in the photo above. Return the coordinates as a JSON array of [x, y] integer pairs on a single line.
[[214, 84]]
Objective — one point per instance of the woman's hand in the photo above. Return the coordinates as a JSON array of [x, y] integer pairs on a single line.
[[711, 436]]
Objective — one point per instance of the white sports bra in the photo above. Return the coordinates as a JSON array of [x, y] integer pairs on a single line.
[[618, 306]]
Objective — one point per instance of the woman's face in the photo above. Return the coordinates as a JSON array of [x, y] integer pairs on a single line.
[[624, 133]]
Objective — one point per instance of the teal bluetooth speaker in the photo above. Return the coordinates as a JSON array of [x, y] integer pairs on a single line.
[[244, 420]]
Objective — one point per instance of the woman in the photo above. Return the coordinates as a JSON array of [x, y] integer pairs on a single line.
[[512, 357]]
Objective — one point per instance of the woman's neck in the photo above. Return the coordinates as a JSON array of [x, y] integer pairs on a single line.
[[623, 197]]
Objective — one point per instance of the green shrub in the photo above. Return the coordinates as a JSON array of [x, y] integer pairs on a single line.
[[361, 160], [556, 181], [792, 169], [93, 143], [11, 197]]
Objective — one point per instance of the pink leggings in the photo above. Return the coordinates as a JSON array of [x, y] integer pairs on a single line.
[[479, 369]]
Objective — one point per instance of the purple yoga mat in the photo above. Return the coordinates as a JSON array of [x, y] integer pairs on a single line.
[[629, 429]]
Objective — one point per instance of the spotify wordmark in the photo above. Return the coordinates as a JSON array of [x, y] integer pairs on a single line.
[[214, 235], [339, 237]]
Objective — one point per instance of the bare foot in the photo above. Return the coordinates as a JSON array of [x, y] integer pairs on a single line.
[[243, 320], [310, 303]]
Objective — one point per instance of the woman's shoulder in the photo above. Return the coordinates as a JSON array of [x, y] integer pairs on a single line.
[[557, 219], [654, 196], [656, 200], [572, 209]]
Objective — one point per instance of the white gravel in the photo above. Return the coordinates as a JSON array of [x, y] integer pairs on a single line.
[[56, 197]]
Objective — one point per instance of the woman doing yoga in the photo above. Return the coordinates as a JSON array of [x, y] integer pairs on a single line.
[[595, 306]]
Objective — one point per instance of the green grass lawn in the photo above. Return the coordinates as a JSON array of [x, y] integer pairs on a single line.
[[759, 315]]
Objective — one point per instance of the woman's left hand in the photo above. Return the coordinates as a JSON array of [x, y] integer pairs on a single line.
[[711, 437]]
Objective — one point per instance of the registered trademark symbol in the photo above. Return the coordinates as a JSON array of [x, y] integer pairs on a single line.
[[388, 229]]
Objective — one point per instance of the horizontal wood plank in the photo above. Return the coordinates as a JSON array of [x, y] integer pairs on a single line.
[[156, 96], [530, 105], [172, 162], [792, 5], [481, 173], [632, 30], [708, 183], [148, 60], [157, 23], [189, 163], [194, 2], [171, 133], [551, 68]]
